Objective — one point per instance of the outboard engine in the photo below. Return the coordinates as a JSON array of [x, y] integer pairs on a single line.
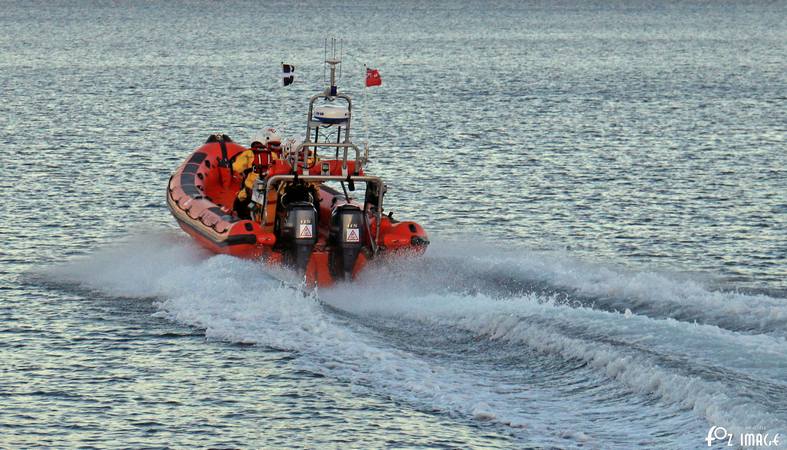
[[347, 239], [299, 230]]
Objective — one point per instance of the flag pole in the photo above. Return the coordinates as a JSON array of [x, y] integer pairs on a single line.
[[365, 107]]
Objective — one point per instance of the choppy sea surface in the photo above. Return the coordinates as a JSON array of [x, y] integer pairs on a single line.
[[604, 184]]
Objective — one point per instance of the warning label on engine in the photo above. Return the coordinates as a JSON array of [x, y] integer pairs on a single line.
[[353, 235], [305, 231]]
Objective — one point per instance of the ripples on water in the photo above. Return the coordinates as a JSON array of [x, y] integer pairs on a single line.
[[624, 165]]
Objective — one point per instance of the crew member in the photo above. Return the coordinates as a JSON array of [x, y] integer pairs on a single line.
[[312, 191], [252, 163], [291, 145]]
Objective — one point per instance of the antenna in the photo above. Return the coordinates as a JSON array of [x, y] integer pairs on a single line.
[[332, 60]]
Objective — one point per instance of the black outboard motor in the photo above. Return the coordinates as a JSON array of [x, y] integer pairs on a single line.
[[299, 230], [347, 239]]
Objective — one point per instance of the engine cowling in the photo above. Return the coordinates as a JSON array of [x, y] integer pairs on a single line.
[[347, 237], [299, 231]]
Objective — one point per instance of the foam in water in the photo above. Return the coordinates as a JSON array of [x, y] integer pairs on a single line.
[[217, 294], [651, 293], [134, 267], [531, 320], [636, 352]]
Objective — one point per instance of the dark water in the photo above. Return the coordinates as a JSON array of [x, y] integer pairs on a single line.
[[604, 184]]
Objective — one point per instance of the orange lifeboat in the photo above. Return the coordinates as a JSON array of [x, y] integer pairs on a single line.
[[298, 215]]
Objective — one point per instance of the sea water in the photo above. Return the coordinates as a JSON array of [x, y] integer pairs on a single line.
[[603, 184]]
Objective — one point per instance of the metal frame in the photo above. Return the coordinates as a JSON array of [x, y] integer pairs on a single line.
[[301, 156], [331, 93], [301, 153]]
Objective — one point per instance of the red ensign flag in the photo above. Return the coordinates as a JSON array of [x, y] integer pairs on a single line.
[[373, 77]]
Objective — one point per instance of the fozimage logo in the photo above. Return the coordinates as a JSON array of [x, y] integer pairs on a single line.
[[744, 439], [718, 434]]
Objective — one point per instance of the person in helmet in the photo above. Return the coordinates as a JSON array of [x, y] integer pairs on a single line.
[[291, 146], [273, 144], [250, 164], [289, 149]]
